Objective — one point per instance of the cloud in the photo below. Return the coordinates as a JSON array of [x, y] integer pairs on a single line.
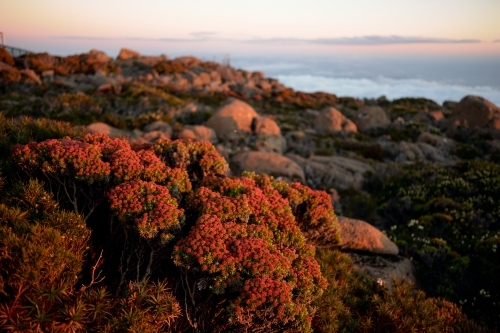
[[391, 88], [203, 34], [199, 36], [199, 39], [384, 40], [368, 40], [496, 41]]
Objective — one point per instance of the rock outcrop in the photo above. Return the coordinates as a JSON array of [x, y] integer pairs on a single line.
[[332, 171], [384, 269], [474, 112], [371, 117], [268, 163], [331, 121], [233, 119], [126, 54], [361, 236], [198, 133], [103, 128]]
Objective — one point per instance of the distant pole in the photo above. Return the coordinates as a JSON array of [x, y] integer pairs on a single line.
[[1, 37]]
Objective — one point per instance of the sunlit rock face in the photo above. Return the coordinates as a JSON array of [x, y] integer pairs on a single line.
[[331, 120]]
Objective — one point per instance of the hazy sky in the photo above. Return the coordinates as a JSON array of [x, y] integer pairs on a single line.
[[473, 25]]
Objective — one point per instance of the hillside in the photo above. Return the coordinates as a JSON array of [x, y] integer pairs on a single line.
[[152, 194]]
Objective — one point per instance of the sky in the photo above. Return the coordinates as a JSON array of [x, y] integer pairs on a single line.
[[382, 26], [439, 49]]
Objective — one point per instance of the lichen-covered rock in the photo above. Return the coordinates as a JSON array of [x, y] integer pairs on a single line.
[[97, 57], [103, 128], [359, 235], [332, 171], [233, 119], [268, 163], [161, 126], [331, 120], [474, 112], [371, 117], [384, 269], [198, 133], [265, 126], [31, 76]]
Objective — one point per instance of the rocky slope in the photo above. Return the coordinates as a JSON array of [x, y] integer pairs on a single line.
[[338, 144]]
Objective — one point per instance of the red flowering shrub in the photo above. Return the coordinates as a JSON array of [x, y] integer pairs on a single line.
[[199, 159], [63, 157], [247, 247], [106, 144], [125, 165], [153, 169], [312, 209], [244, 259], [149, 206]]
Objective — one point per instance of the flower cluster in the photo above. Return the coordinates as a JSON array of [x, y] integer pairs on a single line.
[[314, 213], [149, 206], [107, 145], [125, 165], [63, 157], [246, 240], [256, 203], [262, 294], [200, 159], [97, 157], [206, 201], [153, 169]]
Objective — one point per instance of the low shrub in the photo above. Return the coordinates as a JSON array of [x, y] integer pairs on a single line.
[[247, 249], [354, 303], [225, 253], [446, 218]]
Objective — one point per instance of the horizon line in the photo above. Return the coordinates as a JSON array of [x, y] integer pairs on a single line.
[[360, 40]]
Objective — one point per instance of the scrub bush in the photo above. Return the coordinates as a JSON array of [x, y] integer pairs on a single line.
[[120, 238], [354, 303], [247, 248], [447, 220], [43, 283]]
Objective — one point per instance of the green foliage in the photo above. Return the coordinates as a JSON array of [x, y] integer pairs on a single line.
[[135, 93], [447, 219], [26, 129], [358, 205], [467, 151]]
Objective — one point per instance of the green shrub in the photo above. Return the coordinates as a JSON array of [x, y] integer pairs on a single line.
[[447, 220], [26, 129]]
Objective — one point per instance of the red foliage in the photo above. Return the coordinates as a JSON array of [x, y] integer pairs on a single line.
[[65, 157], [200, 159], [149, 206], [247, 240], [312, 209], [107, 145]]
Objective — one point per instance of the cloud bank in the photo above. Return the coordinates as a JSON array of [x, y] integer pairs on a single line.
[[391, 88], [368, 40]]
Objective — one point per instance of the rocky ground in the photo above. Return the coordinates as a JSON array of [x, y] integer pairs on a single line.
[[337, 144]]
